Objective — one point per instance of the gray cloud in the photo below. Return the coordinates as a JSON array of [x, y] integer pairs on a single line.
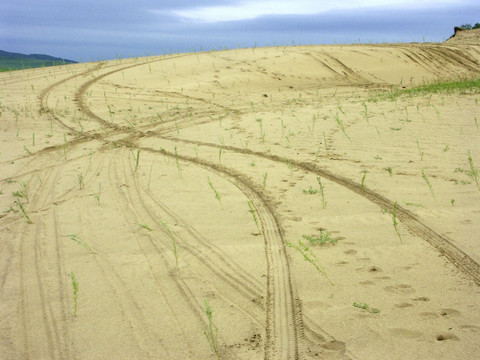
[[90, 30]]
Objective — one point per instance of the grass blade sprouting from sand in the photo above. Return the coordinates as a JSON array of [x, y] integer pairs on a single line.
[[96, 195], [210, 330], [363, 180], [145, 226], [179, 169], [22, 192], [137, 159], [28, 151], [79, 181], [254, 215], [22, 209], [218, 196], [428, 183], [81, 242], [309, 256], [365, 306], [322, 191], [174, 243], [322, 238], [342, 127], [75, 293], [420, 151], [473, 172], [395, 221]]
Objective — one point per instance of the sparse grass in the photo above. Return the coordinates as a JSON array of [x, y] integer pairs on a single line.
[[260, 124], [340, 123], [264, 183], [428, 183], [137, 160], [365, 306], [395, 221], [363, 180], [27, 150], [81, 242], [210, 331], [460, 86], [177, 162], [145, 226], [309, 256], [22, 209], [218, 196], [75, 293], [317, 154], [365, 112], [310, 191], [174, 243], [289, 164], [324, 237], [254, 215], [473, 172], [322, 191], [22, 192], [420, 151], [79, 181]]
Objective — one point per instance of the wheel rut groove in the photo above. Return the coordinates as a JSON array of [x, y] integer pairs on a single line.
[[411, 221]]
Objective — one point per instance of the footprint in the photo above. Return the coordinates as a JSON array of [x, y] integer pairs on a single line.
[[449, 313], [368, 282], [444, 337], [400, 289], [350, 252], [421, 298], [428, 315], [472, 328], [341, 263], [403, 305], [406, 333], [374, 269]]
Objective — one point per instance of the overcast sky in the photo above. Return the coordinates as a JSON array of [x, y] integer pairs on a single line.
[[86, 30]]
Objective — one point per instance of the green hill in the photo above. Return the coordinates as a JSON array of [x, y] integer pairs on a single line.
[[15, 61]]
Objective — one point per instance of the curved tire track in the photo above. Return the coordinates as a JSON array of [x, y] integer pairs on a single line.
[[411, 221]]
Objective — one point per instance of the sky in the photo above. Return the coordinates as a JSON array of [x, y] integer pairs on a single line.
[[91, 30]]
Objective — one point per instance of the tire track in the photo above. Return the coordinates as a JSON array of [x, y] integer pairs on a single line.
[[442, 243], [43, 331], [316, 338], [183, 298], [281, 339], [282, 315]]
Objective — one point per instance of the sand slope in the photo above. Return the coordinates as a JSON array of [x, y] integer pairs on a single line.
[[219, 158]]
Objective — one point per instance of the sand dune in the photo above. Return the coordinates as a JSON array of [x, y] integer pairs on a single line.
[[138, 193]]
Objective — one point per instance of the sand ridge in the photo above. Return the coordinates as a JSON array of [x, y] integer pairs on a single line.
[[126, 167]]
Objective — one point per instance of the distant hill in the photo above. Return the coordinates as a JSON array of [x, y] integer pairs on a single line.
[[15, 61]]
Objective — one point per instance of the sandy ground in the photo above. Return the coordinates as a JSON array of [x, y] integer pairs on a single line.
[[154, 187]]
